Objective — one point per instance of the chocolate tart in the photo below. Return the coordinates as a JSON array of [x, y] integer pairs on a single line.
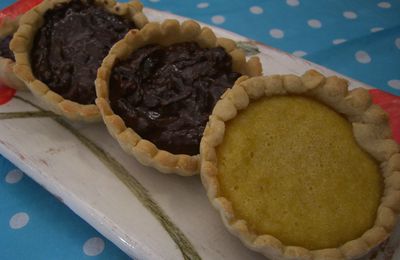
[[61, 43], [157, 87], [7, 60], [302, 168]]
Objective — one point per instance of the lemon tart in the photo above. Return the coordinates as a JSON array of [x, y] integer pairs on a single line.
[[302, 168]]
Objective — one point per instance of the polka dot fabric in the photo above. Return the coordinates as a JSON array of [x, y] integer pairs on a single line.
[[357, 38], [35, 225]]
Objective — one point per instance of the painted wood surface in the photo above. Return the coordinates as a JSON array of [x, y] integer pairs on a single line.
[[147, 214]]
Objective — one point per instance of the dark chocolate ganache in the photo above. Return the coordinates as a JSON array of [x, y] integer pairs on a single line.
[[5, 51], [166, 94], [70, 46]]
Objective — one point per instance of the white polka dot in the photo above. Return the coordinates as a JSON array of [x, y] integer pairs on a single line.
[[314, 23], [338, 41], [397, 43], [384, 5], [218, 19], [202, 5], [292, 2], [14, 176], [256, 10], [376, 29], [349, 15], [394, 83], [93, 246], [299, 53], [362, 57], [19, 220], [276, 33]]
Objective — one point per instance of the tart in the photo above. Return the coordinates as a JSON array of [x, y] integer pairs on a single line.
[[61, 43], [302, 168], [7, 59], [157, 87]]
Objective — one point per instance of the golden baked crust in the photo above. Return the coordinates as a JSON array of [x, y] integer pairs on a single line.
[[167, 33], [7, 75], [22, 42], [370, 129]]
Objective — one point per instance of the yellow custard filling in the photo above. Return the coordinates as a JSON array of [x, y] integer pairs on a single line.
[[292, 169]]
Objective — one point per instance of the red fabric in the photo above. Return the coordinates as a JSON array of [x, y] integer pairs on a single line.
[[18, 8], [6, 94], [14, 10], [391, 104]]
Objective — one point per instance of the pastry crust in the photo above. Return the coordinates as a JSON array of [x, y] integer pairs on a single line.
[[167, 33], [22, 42], [7, 75], [370, 129]]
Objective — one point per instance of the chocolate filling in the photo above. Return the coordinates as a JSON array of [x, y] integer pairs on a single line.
[[70, 46], [5, 51], [167, 93]]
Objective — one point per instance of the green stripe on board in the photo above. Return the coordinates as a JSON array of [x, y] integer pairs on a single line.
[[250, 48], [187, 249], [141, 193], [11, 115]]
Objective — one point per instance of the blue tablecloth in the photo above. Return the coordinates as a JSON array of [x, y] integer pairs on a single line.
[[358, 38]]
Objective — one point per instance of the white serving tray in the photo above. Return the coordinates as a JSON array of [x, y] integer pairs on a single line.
[[147, 214]]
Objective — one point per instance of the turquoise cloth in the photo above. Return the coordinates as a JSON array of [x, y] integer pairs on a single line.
[[35, 225], [358, 38], [315, 30]]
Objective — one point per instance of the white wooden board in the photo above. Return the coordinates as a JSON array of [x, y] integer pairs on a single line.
[[158, 216]]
